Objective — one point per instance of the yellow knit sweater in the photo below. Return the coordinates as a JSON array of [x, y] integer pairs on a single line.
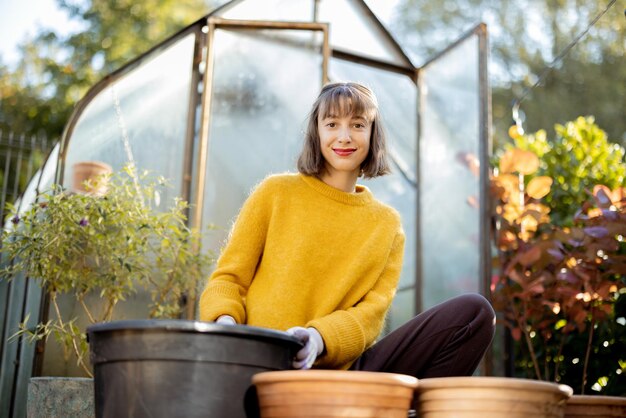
[[303, 253]]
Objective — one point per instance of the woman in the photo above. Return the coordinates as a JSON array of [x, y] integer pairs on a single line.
[[316, 255]]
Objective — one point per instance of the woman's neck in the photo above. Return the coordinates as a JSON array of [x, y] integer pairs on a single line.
[[340, 180]]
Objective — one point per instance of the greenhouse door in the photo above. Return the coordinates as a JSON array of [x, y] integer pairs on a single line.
[[260, 78], [453, 176]]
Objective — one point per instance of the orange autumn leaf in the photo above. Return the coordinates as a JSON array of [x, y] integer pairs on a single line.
[[525, 162], [510, 184], [594, 212], [511, 212], [539, 187], [507, 161], [529, 222], [526, 235], [507, 241], [515, 131], [619, 197], [538, 207]]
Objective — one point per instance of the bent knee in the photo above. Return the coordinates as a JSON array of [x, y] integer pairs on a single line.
[[482, 310], [478, 301]]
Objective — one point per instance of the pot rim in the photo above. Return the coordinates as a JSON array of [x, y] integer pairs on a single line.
[[189, 326], [597, 399], [336, 376], [93, 163], [38, 379], [493, 382]]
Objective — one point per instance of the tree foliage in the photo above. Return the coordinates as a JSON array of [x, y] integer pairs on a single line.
[[55, 72], [525, 36]]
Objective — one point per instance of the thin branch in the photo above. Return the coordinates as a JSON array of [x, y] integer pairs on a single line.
[[522, 324], [586, 364], [77, 352], [557, 363], [82, 302]]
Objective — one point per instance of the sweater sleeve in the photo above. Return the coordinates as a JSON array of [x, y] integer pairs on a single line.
[[348, 333], [227, 287]]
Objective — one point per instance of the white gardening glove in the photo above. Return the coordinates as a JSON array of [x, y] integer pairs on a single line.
[[313, 346], [226, 320]]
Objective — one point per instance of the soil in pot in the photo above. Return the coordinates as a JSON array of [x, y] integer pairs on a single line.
[[334, 393], [490, 397]]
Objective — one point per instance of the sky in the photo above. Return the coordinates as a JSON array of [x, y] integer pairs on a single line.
[[21, 19]]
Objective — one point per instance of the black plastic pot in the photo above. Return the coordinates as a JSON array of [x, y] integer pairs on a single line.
[[177, 368]]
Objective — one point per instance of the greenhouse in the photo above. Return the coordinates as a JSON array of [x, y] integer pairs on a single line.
[[221, 104]]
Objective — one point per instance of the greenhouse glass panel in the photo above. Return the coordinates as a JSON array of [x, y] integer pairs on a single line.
[[140, 117], [449, 174], [283, 10], [353, 30], [402, 309], [397, 98], [258, 113]]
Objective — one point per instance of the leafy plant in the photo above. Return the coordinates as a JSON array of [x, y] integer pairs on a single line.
[[82, 244], [577, 159], [559, 285]]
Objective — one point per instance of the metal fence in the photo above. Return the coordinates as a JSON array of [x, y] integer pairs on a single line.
[[20, 157]]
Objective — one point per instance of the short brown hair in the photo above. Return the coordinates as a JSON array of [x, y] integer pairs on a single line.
[[345, 99]]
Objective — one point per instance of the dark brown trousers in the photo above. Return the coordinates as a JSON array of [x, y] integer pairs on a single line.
[[449, 339]]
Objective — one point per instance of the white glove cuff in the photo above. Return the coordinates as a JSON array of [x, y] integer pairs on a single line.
[[226, 320], [317, 338]]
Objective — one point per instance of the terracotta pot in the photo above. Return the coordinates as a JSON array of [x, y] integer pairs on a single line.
[[334, 393], [90, 170], [586, 406], [490, 397]]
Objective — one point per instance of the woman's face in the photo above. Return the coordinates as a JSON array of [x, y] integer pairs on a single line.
[[345, 142]]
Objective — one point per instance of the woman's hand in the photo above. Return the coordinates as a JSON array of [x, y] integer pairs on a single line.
[[313, 346], [226, 320]]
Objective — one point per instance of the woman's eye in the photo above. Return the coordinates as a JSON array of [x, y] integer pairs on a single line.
[[331, 124], [359, 125]]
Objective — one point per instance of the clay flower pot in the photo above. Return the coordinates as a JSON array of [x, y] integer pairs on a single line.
[[490, 397], [90, 170], [334, 393], [585, 406]]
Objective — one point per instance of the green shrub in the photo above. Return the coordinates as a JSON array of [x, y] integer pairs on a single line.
[[81, 244], [578, 158]]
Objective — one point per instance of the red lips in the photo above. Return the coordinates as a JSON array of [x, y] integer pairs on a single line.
[[344, 152]]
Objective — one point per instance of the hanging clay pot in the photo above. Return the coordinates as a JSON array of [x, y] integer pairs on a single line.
[[585, 406], [334, 393], [93, 171], [490, 397]]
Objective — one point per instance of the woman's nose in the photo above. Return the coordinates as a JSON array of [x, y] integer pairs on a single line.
[[344, 135]]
